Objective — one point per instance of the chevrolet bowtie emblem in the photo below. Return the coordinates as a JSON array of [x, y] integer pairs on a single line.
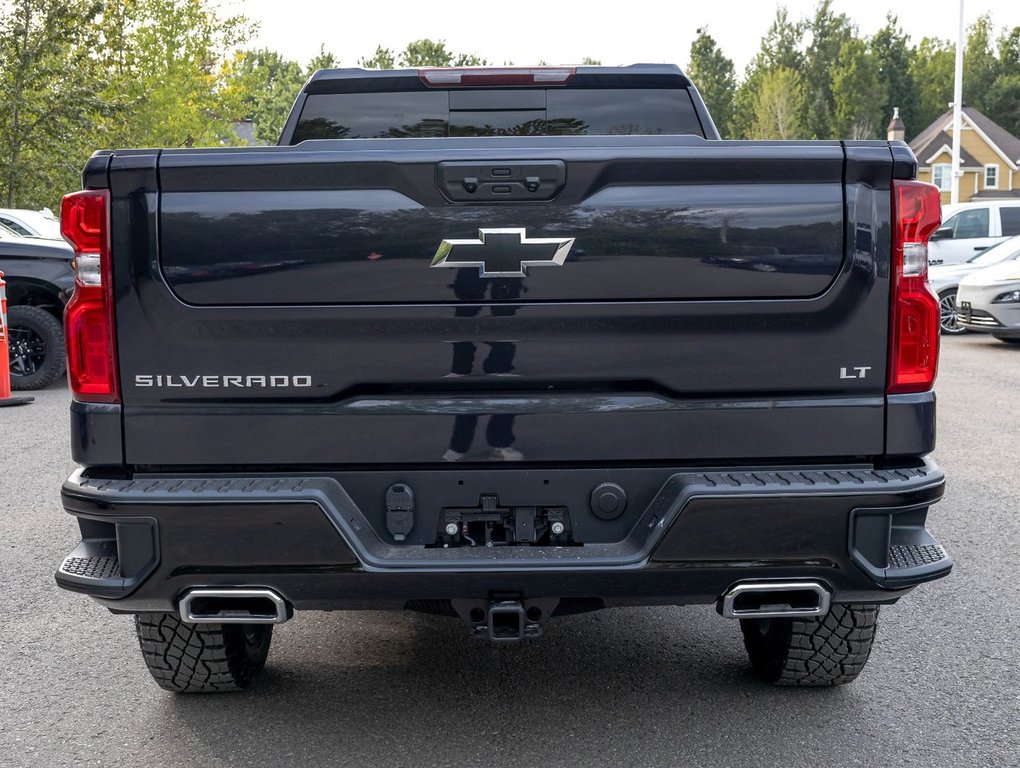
[[503, 252]]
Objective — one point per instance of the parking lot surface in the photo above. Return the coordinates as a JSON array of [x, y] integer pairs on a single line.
[[626, 687]]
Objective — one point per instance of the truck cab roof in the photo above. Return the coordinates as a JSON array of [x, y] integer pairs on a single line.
[[351, 79]]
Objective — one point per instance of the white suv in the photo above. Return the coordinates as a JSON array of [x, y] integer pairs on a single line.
[[31, 223], [972, 227]]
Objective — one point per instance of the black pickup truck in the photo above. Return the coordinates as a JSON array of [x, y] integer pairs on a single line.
[[503, 345]]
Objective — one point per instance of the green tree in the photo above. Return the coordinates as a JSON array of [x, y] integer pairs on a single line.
[[1009, 51], [714, 77], [421, 53], [778, 106], [434, 53], [828, 31], [780, 48], [893, 55], [1003, 103], [588, 61], [323, 60], [173, 83], [857, 92], [383, 58], [49, 97], [932, 70], [980, 65], [265, 85], [1003, 98]]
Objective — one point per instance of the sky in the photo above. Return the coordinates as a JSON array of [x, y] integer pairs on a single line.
[[565, 31]]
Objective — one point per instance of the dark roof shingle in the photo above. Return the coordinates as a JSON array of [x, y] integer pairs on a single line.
[[928, 138], [940, 139]]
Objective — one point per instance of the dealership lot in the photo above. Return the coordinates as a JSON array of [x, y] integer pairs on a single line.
[[659, 686]]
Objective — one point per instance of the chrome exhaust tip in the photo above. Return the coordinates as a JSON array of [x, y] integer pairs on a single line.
[[775, 600], [241, 605]]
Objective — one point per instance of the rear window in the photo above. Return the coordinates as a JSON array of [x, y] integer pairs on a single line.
[[507, 112], [1010, 220]]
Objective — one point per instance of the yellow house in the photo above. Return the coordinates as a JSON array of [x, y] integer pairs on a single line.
[[989, 155]]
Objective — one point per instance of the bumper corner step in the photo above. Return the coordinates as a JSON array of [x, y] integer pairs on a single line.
[[904, 556], [111, 559], [100, 567]]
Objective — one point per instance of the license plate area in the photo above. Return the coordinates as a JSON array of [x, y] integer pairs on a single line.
[[492, 524]]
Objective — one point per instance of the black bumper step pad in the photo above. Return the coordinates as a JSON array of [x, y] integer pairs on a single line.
[[94, 567], [903, 556], [895, 548], [111, 559]]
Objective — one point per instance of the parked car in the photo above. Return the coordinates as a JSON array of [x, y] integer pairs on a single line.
[[945, 279], [40, 281], [971, 227], [29, 223], [8, 232], [989, 301]]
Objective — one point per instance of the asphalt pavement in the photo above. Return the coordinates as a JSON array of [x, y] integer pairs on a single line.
[[624, 687]]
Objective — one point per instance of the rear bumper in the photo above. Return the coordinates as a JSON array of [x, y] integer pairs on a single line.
[[979, 312], [693, 535]]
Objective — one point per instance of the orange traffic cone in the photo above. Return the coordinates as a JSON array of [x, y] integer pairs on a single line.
[[5, 361]]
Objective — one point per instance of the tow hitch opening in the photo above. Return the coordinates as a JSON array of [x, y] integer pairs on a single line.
[[505, 621]]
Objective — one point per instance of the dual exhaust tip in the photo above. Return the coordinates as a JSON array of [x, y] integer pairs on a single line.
[[775, 600], [747, 600], [255, 605]]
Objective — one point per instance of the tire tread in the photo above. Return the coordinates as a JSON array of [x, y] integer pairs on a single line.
[[53, 366], [196, 658], [832, 650]]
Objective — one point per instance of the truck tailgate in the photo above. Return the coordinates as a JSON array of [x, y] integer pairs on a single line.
[[330, 303]]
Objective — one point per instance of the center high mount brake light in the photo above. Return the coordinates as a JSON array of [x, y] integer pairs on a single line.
[[467, 77]]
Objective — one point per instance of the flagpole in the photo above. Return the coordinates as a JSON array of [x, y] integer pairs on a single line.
[[954, 195]]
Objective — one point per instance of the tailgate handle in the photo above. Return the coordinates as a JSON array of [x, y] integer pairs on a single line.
[[501, 181]]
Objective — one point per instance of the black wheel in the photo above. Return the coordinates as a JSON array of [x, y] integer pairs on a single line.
[[831, 650], [949, 317], [36, 347], [1008, 339], [202, 658]]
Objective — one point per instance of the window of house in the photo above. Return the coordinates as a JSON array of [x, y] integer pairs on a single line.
[[941, 175], [991, 176]]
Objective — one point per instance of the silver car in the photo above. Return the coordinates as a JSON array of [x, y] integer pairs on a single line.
[[31, 223], [989, 301], [946, 279]]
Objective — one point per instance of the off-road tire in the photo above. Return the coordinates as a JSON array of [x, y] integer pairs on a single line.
[[202, 658], [831, 650], [45, 329]]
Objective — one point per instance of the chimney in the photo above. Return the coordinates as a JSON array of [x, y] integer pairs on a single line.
[[896, 131]]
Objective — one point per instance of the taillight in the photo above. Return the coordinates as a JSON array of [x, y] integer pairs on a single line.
[[914, 316], [466, 77], [88, 318]]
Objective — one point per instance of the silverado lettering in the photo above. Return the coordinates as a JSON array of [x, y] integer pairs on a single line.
[[219, 381]]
